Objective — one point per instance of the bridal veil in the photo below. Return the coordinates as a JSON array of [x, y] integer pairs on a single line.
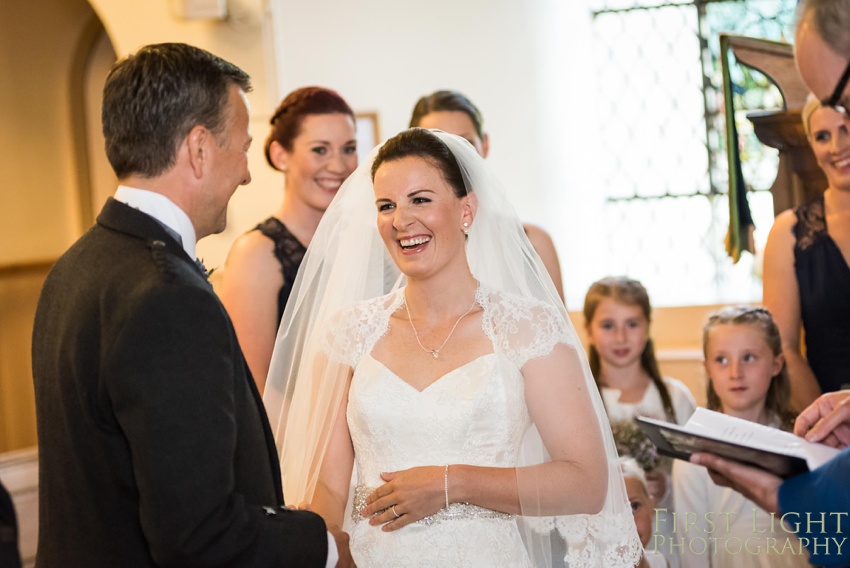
[[347, 262]]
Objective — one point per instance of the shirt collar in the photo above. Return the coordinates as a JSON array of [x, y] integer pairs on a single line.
[[163, 210]]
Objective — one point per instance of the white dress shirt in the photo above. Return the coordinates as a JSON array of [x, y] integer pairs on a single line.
[[163, 210]]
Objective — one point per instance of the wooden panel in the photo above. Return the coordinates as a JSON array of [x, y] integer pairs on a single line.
[[776, 60], [20, 286]]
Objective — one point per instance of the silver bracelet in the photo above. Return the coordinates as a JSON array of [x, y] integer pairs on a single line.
[[446, 485]]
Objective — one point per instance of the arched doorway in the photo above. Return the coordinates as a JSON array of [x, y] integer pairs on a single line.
[[93, 58], [52, 55]]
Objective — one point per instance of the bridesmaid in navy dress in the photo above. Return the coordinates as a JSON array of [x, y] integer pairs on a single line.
[[806, 272], [312, 141]]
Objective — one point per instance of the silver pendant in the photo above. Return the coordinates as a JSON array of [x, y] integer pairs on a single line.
[[435, 354]]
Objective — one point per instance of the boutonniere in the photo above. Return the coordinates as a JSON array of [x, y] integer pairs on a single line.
[[203, 269]]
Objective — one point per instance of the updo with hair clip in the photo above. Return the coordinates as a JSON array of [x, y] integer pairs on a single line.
[[300, 103]]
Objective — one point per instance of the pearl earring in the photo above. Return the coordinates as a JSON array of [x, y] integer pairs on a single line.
[[466, 228]]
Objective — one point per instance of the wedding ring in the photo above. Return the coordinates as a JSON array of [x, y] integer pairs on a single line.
[[394, 513]]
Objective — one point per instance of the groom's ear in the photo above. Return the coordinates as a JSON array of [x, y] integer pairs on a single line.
[[196, 142]]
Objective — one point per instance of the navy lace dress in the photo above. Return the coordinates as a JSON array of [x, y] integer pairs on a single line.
[[289, 252], [823, 278]]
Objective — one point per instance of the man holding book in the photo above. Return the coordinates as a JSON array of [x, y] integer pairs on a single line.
[[823, 59]]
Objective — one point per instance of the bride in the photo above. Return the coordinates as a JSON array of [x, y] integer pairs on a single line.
[[425, 348]]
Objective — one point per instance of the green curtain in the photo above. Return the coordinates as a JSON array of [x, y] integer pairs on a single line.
[[739, 237]]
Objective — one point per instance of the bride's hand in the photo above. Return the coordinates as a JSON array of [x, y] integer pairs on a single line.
[[415, 493]]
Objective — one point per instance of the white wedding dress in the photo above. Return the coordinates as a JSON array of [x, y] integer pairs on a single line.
[[475, 414]]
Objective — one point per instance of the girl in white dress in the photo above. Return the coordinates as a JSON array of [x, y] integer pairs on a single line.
[[622, 359], [425, 348], [746, 379]]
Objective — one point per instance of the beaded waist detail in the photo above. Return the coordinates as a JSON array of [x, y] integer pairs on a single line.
[[453, 512]]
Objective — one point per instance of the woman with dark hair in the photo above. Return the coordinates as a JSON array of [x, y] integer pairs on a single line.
[[452, 112], [312, 141], [462, 395]]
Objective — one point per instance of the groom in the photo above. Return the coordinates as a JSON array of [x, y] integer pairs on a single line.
[[154, 446]]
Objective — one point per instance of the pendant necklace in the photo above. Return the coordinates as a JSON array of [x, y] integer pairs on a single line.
[[435, 353]]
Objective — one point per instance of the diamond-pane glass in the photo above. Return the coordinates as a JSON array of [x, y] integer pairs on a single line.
[[661, 125]]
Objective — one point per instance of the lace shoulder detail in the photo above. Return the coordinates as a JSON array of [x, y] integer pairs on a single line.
[[522, 328], [354, 331], [811, 223], [287, 249]]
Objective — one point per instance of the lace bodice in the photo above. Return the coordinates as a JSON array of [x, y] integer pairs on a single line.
[[475, 414]]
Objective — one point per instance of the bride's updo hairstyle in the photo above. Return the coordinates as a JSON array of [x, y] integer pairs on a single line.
[[422, 143], [300, 103]]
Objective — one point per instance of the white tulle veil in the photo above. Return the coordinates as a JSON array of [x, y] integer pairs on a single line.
[[347, 262]]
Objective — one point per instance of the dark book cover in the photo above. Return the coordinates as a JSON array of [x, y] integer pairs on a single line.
[[678, 442]]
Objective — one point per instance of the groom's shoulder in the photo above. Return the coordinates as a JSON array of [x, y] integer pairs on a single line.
[[116, 269]]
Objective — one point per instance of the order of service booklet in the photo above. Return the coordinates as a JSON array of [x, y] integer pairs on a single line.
[[736, 439]]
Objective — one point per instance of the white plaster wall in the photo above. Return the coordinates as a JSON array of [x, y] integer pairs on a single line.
[[521, 62], [382, 55]]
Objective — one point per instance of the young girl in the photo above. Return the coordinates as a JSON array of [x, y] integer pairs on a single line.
[[747, 379], [622, 359]]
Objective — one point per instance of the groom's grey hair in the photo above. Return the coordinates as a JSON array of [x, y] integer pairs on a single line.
[[152, 100]]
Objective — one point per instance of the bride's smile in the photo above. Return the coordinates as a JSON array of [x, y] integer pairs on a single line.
[[420, 216]]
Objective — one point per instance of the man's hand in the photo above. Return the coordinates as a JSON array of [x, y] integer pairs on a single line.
[[827, 420], [341, 538], [757, 485]]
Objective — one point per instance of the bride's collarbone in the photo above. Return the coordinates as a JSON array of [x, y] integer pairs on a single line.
[[420, 371], [399, 351]]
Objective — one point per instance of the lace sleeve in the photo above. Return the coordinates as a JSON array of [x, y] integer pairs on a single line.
[[521, 328], [353, 332]]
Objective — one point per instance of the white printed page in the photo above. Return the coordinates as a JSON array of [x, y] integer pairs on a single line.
[[739, 431]]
